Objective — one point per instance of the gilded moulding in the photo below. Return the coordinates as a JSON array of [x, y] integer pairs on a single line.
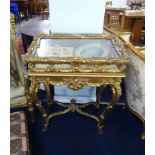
[[74, 83], [20, 104], [128, 44], [135, 51], [94, 68], [76, 64], [72, 36], [13, 25], [83, 75]]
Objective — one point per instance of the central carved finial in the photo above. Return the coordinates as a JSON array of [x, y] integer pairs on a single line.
[[76, 84]]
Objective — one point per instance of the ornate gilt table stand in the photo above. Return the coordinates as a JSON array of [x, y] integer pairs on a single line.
[[64, 59]]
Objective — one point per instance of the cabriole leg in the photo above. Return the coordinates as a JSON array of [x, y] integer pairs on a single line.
[[99, 92], [116, 89], [40, 107]]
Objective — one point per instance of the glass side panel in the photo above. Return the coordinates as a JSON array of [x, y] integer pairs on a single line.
[[85, 48]]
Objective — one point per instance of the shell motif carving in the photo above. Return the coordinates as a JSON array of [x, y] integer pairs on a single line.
[[76, 84]]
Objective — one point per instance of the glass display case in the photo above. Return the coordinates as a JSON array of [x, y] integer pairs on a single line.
[[76, 53], [76, 61]]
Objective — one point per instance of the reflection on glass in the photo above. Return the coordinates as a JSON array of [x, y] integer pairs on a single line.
[[86, 48]]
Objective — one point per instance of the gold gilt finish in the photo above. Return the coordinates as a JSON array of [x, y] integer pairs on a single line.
[[20, 103], [128, 45], [75, 84], [13, 25], [75, 64], [75, 77]]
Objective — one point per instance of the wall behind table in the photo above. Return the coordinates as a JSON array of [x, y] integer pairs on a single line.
[[82, 16]]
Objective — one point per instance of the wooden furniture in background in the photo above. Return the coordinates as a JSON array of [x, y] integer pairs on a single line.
[[37, 6], [143, 35], [114, 18], [124, 20], [40, 7], [108, 3], [136, 38], [45, 14], [24, 8], [135, 22]]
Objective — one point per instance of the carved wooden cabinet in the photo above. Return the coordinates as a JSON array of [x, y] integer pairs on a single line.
[[37, 6]]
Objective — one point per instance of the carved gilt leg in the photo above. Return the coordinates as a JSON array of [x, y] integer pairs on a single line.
[[116, 89], [29, 98], [44, 115], [47, 89], [40, 107], [99, 92], [49, 97]]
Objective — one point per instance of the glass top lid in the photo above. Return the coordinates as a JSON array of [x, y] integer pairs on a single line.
[[85, 48]]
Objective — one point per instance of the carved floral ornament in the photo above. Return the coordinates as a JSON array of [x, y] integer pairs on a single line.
[[76, 83]]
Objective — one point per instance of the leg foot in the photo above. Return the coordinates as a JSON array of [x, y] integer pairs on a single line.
[[100, 125], [99, 92]]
